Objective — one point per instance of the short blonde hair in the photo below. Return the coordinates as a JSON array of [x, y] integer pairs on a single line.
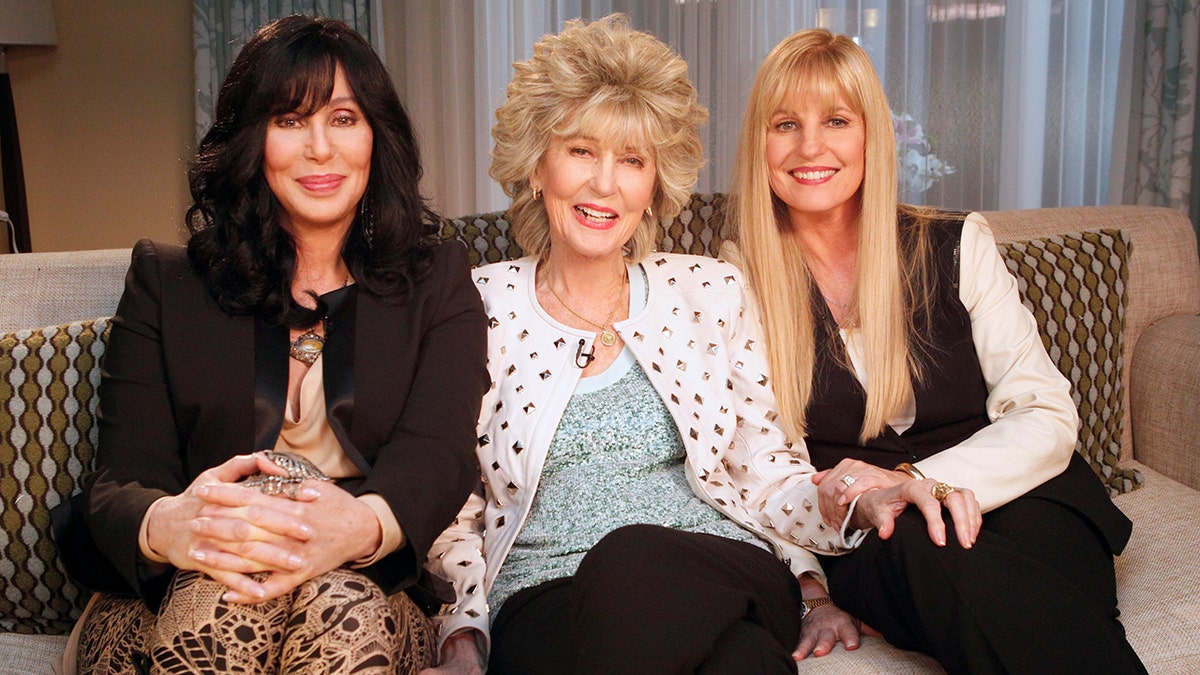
[[829, 67], [605, 80]]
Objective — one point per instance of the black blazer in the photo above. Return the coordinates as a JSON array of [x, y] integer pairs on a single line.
[[185, 387]]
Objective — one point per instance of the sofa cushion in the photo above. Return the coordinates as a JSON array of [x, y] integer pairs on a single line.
[[48, 380], [1075, 287]]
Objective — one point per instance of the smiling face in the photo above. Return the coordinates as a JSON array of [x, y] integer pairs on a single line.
[[815, 157], [318, 166], [595, 194]]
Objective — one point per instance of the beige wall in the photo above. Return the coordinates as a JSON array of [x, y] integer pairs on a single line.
[[106, 121]]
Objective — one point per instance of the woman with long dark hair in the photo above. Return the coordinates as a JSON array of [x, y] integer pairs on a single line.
[[288, 405]]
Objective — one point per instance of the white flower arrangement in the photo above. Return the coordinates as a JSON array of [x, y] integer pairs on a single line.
[[919, 166]]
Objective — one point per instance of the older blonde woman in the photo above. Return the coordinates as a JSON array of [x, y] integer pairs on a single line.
[[904, 359], [630, 423]]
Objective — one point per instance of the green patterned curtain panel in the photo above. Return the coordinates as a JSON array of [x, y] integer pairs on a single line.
[[223, 26], [1165, 149]]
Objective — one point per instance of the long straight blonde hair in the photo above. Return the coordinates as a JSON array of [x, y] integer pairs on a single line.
[[828, 67]]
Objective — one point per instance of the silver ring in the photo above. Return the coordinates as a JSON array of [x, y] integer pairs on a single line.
[[848, 480]]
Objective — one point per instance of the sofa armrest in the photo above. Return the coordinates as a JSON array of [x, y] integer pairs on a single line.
[[1164, 397]]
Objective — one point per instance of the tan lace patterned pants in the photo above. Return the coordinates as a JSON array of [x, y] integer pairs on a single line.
[[339, 622]]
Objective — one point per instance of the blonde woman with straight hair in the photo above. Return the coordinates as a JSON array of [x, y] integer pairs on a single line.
[[904, 361]]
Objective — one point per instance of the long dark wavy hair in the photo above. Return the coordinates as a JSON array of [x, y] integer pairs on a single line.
[[237, 245]]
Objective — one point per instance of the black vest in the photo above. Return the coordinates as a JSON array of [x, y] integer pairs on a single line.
[[950, 405]]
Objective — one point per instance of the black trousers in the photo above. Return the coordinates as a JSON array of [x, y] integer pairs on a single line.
[[1036, 594], [647, 599]]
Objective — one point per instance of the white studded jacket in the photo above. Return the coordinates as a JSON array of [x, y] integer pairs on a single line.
[[697, 339]]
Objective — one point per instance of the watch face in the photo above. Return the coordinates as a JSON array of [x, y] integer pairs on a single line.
[[803, 610]]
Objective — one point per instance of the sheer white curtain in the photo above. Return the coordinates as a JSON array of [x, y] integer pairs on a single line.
[[1004, 104]]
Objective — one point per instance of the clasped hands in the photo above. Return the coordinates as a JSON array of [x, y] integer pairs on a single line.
[[260, 546], [883, 495]]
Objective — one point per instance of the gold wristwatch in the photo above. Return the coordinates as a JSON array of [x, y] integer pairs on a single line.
[[812, 603]]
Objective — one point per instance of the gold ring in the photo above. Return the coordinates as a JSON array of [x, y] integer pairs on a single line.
[[941, 491], [848, 480]]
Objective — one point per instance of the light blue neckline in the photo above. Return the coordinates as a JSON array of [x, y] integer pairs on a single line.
[[625, 360]]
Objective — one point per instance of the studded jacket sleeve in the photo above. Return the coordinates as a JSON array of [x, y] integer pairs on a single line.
[[773, 476]]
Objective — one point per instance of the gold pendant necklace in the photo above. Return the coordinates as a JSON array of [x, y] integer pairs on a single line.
[[307, 346], [608, 336]]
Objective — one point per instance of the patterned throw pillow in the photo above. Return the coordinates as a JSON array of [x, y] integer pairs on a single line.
[[486, 236], [48, 383], [1075, 287], [697, 228]]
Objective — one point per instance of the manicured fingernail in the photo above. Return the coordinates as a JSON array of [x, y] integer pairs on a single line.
[[311, 492], [202, 490], [196, 554], [295, 561]]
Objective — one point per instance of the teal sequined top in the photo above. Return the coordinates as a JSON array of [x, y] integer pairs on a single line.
[[616, 459]]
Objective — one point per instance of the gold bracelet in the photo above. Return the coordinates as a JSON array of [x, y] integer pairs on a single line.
[[814, 603], [910, 470]]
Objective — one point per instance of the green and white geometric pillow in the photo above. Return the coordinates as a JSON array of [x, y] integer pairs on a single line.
[[1075, 287], [48, 395]]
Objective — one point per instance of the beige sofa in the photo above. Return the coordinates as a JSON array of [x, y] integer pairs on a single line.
[[1131, 311]]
